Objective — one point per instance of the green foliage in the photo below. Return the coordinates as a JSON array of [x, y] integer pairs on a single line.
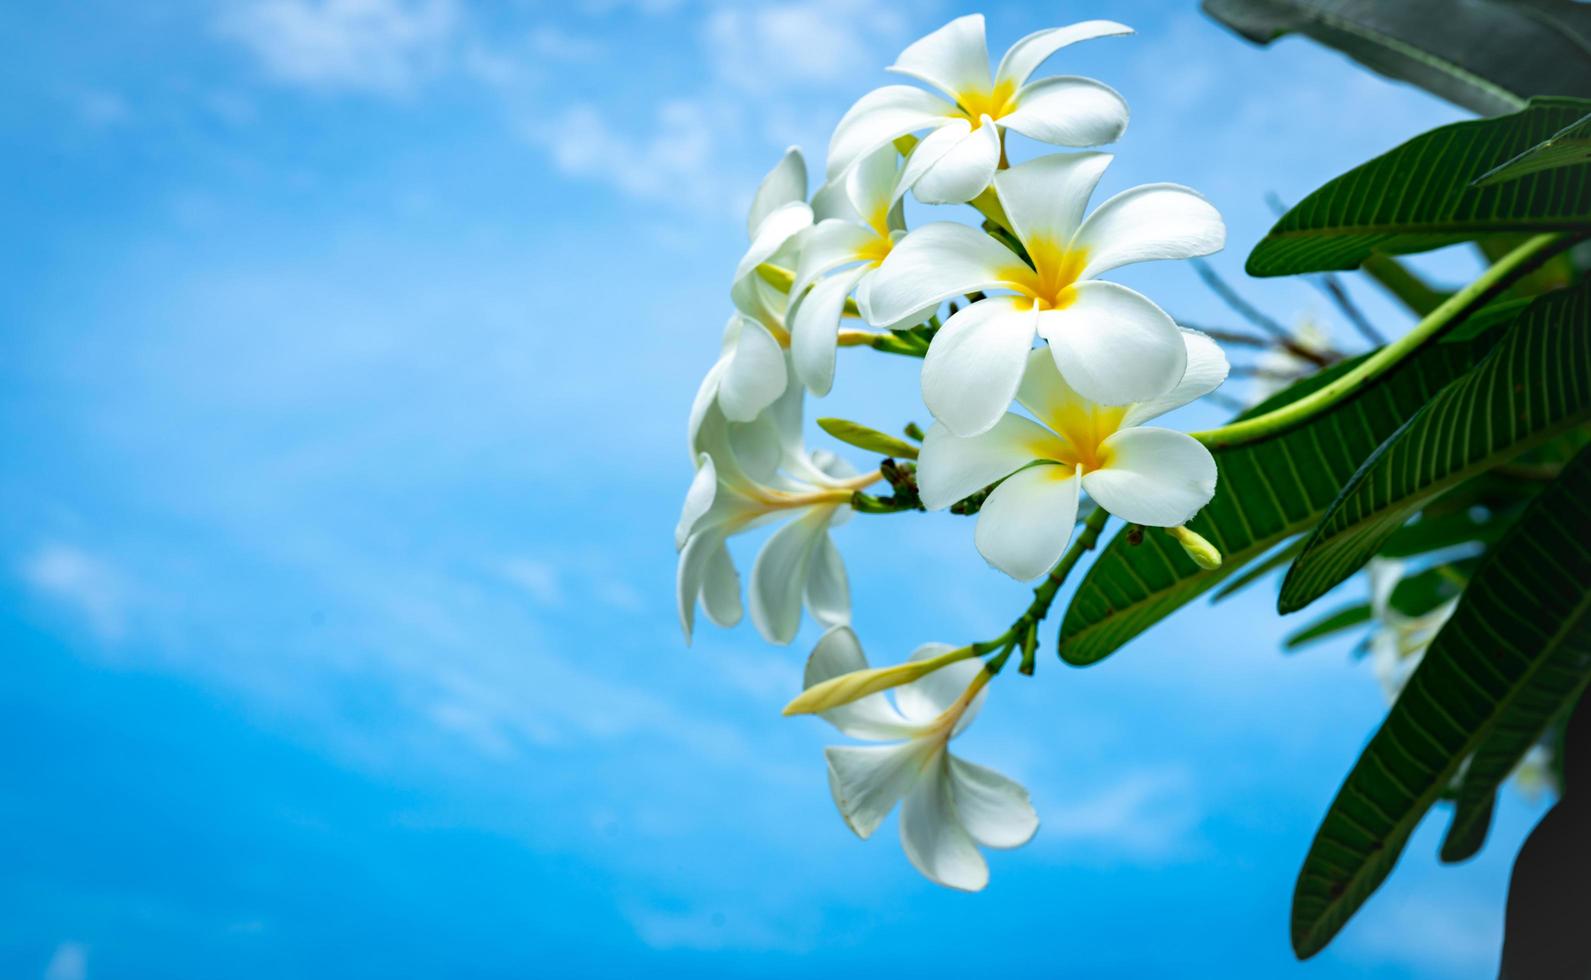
[[1516, 653], [1568, 147], [1329, 625], [862, 437], [1535, 384], [1420, 196], [1466, 51]]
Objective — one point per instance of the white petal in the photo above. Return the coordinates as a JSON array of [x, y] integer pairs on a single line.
[[1155, 221], [880, 116], [975, 362], [698, 499], [785, 183], [707, 393], [778, 578], [951, 467], [1113, 345], [1069, 111], [953, 59], [926, 698], [868, 780], [815, 329], [872, 716], [690, 572], [954, 163], [1207, 368], [1385, 574], [782, 224], [1153, 476], [755, 375], [831, 201], [932, 835], [828, 246], [1051, 400], [721, 588], [757, 447], [934, 263], [1025, 524], [1045, 198], [873, 185], [1027, 54], [828, 591], [994, 809]]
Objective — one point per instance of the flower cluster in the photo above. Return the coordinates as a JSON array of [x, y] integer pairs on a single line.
[[1040, 375]]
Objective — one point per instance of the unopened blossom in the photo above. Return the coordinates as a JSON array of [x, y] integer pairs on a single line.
[[750, 371], [838, 257], [964, 143], [950, 807], [749, 475], [1113, 345], [1142, 474]]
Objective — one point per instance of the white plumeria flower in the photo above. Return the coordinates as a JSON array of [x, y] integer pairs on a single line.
[[867, 224], [1139, 473], [960, 154], [1398, 642], [750, 371], [1110, 343], [951, 806], [749, 475]]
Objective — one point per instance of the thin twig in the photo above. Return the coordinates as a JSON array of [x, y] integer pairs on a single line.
[[1333, 288]]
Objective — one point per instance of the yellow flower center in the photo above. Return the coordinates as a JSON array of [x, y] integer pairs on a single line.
[[1080, 432], [1050, 282], [996, 103]]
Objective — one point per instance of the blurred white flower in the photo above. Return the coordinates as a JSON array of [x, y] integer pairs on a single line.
[[951, 806], [1111, 344], [964, 145], [1141, 474], [749, 475], [838, 257], [1398, 642]]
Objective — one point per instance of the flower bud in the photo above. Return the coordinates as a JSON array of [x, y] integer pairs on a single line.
[[1203, 553], [860, 683]]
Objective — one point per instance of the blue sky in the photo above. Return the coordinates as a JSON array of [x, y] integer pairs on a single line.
[[347, 353]]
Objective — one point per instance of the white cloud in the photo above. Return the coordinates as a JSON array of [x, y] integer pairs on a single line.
[[70, 962], [362, 45], [539, 578], [1146, 815], [679, 161], [810, 42], [89, 584], [1447, 934]]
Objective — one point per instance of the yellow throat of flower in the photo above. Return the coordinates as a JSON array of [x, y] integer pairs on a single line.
[[996, 103], [1082, 430], [1050, 282]]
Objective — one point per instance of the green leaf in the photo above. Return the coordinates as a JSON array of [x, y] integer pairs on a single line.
[[1467, 832], [1568, 147], [1517, 647], [1423, 591], [1271, 488], [1488, 57], [1533, 385], [862, 437], [1329, 625], [1418, 196]]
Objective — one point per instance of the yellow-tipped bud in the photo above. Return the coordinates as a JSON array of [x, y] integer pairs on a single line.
[[1203, 553], [860, 683]]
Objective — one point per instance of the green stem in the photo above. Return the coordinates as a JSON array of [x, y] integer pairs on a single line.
[[1022, 631], [1515, 265]]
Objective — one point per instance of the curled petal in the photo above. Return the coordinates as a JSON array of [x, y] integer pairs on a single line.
[[779, 575], [923, 700], [721, 588], [932, 834], [698, 499], [1153, 476], [815, 329], [828, 590], [994, 809], [871, 716], [1023, 57], [1026, 523], [873, 186], [1207, 369], [691, 571], [975, 362], [879, 117], [1069, 111], [953, 59], [755, 374], [933, 264], [1113, 345], [1045, 198], [828, 246], [868, 780], [954, 163], [1155, 221], [950, 467], [781, 225], [785, 183]]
